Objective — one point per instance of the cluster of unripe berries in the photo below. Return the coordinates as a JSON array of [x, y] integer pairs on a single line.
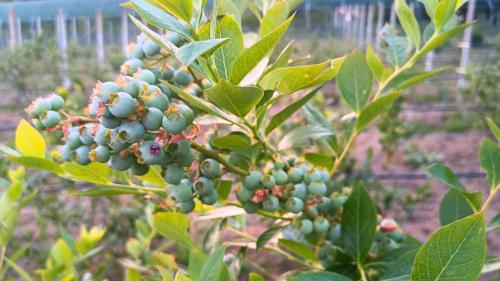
[[389, 234], [44, 111]]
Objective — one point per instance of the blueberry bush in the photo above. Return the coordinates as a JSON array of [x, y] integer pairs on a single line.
[[199, 123]]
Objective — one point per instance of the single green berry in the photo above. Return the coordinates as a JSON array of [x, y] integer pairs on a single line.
[[324, 204], [244, 195], [251, 207], [335, 233], [253, 180], [295, 175], [312, 176], [152, 120], [115, 143], [151, 152], [154, 97], [100, 154], [182, 192], [300, 191], [110, 122], [210, 168], [280, 176], [73, 137], [81, 155], [102, 135], [65, 152], [186, 207], [167, 73], [317, 187], [122, 105], [150, 48], [268, 181], [138, 169], [182, 77], [122, 162], [104, 90], [209, 199], [131, 66], [204, 186], [174, 38], [50, 119], [306, 226], [56, 101], [131, 131], [174, 174], [271, 203], [321, 225], [131, 87], [174, 122], [167, 91], [39, 106], [187, 112], [295, 205], [135, 51], [87, 133]]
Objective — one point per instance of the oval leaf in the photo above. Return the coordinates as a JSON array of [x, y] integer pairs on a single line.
[[29, 141], [355, 81], [237, 100]]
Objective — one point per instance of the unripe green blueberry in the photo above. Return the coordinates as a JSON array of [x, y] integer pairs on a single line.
[[150, 48], [268, 181], [244, 195], [187, 160], [131, 66], [167, 73], [251, 207], [135, 51], [209, 199], [210, 168], [389, 245], [151, 153], [102, 135], [93, 106], [253, 180], [154, 97], [174, 174], [153, 119], [87, 133], [396, 235], [182, 77], [295, 205], [182, 192], [271, 203], [131, 87], [110, 122], [280, 176], [195, 90], [131, 131], [325, 176], [39, 106], [312, 176], [167, 91], [174, 38], [100, 154], [324, 204], [187, 112], [279, 165], [179, 149], [306, 226], [38, 124], [321, 225], [300, 191], [65, 152], [174, 122], [106, 89], [295, 175], [50, 119], [335, 233], [73, 138], [204, 186], [122, 105], [145, 75], [56, 101], [122, 162], [138, 169], [186, 207], [317, 187], [81, 155], [115, 143]]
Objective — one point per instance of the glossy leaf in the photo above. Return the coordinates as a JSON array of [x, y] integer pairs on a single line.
[[359, 223], [407, 80], [29, 141], [266, 236], [182, 9], [94, 172], [444, 11], [212, 268], [159, 18], [489, 158], [298, 249], [196, 261], [430, 6], [288, 111], [320, 160], [189, 52], [445, 175], [396, 48], [455, 251], [275, 15], [319, 276], [155, 37], [251, 57], [494, 223], [374, 109], [237, 100], [493, 128], [441, 38], [255, 277], [234, 140], [408, 21], [355, 81], [173, 226], [453, 207], [374, 63], [282, 59]]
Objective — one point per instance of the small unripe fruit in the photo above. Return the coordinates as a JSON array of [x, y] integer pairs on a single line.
[[174, 174], [40, 106], [253, 180], [280, 176], [251, 207], [145, 75], [150, 48], [153, 119], [182, 192], [87, 133], [65, 152], [295, 175], [187, 112], [50, 119], [317, 187], [209, 199], [110, 122], [244, 195], [312, 176], [102, 135], [271, 203], [182, 78], [210, 168], [122, 163], [131, 66], [321, 225], [204, 186], [122, 105], [106, 89], [131, 87], [135, 51], [131, 132], [100, 154], [174, 122], [81, 155], [186, 207], [300, 191], [56, 102], [335, 233], [306, 226], [139, 169], [324, 204], [167, 73], [295, 205], [268, 181], [73, 137], [151, 153]]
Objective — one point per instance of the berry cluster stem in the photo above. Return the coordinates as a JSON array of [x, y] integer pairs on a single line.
[[490, 198], [214, 155]]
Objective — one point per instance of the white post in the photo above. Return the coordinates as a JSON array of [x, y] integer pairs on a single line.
[[393, 15], [429, 61], [362, 27], [308, 15], [99, 36], [124, 31], [39, 26], [12, 28], [88, 32], [74, 33], [32, 29], [1, 35], [466, 44], [369, 24], [19, 31], [62, 43], [380, 23]]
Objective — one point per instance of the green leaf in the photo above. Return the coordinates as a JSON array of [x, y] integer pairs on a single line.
[[107, 191], [201, 103], [234, 140], [300, 135], [189, 52], [441, 38], [453, 207], [37, 163], [374, 109], [408, 21], [489, 158], [444, 11], [19, 270], [222, 212], [29, 141], [407, 80], [212, 268], [396, 48], [282, 59], [319, 276], [237, 100], [288, 111], [153, 176], [320, 160], [298, 249], [374, 63], [10, 207], [288, 80], [160, 19], [173, 226], [275, 15], [445, 175], [226, 55], [359, 223], [455, 251], [494, 223], [397, 263], [430, 6], [182, 9], [224, 188], [251, 57], [255, 277], [355, 81], [493, 128], [266, 236], [196, 261], [94, 172], [155, 37]]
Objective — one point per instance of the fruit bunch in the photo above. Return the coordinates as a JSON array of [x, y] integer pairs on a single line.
[[389, 234], [44, 111]]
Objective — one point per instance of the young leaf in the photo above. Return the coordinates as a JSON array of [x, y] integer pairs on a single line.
[[94, 172], [455, 251], [29, 141], [408, 21], [441, 38], [407, 80], [430, 6], [298, 249], [266, 236], [359, 223], [255, 277], [396, 48], [160, 19], [319, 160], [212, 268], [374, 109], [375, 63], [282, 59], [445, 175], [288, 111], [453, 207], [226, 55], [319, 276], [237, 100], [275, 15], [493, 128], [229, 8], [251, 57], [182, 9], [355, 81], [189, 52], [444, 11], [300, 135], [494, 223], [155, 37], [37, 164], [174, 226], [489, 158], [196, 261]]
